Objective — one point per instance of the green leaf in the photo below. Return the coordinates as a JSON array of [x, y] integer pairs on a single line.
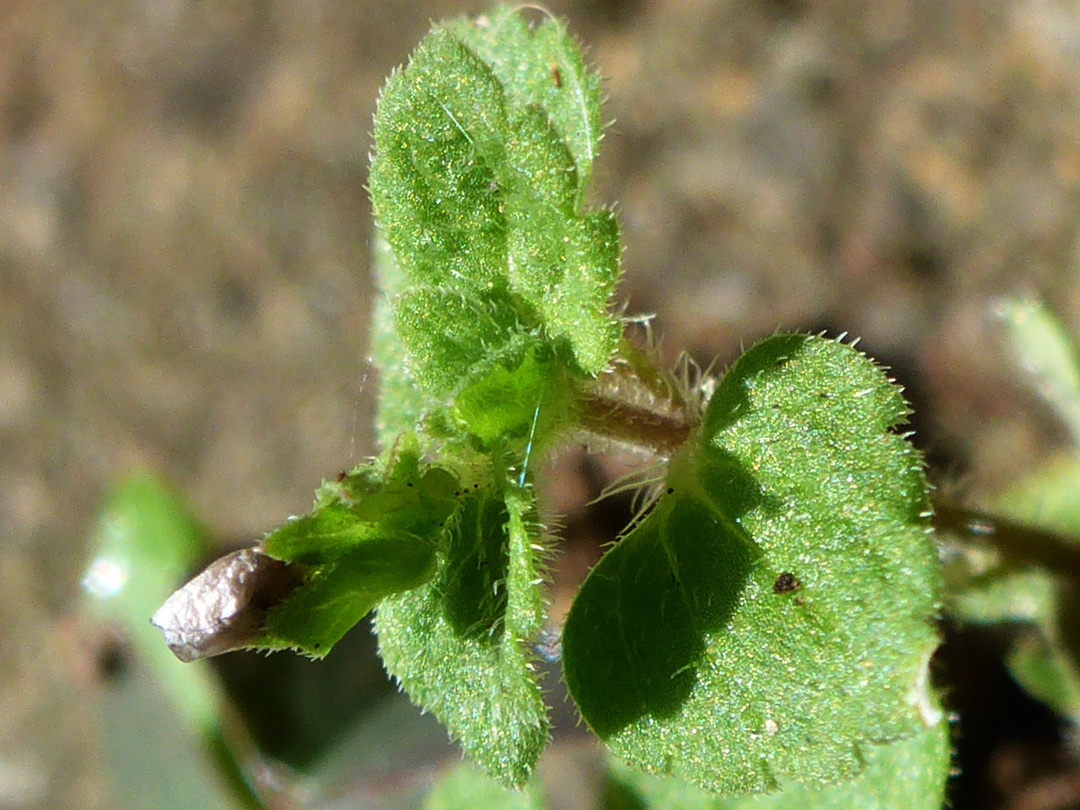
[[910, 773], [773, 614], [336, 596], [459, 645], [541, 67], [465, 788], [1044, 667], [1042, 658], [1042, 348], [439, 134], [401, 402], [144, 543], [372, 533], [514, 403], [478, 176], [453, 338]]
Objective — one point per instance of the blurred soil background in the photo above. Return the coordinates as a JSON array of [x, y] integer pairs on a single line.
[[184, 256]]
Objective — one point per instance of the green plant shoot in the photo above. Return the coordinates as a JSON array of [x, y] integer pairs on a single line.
[[768, 622]]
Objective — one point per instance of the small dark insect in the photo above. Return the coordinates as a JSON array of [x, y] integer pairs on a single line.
[[786, 583], [341, 476], [556, 77]]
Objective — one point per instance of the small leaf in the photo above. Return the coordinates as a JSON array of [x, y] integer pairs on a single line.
[[453, 338], [402, 403], [541, 67], [513, 403], [458, 645], [1041, 347], [478, 187], [439, 133], [910, 773], [338, 595], [1042, 659], [773, 614]]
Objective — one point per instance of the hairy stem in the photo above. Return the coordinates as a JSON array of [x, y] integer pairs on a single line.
[[639, 427], [636, 404]]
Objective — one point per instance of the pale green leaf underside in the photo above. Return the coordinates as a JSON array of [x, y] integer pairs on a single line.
[[909, 774], [458, 645], [773, 614], [401, 402], [1042, 349]]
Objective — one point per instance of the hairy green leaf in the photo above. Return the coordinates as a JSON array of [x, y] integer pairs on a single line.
[[910, 773], [773, 614], [373, 532], [541, 66], [401, 402], [481, 156], [458, 645]]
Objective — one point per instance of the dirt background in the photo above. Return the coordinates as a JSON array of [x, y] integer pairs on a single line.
[[184, 240]]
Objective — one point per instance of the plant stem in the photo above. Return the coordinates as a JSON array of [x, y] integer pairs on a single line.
[[636, 405], [642, 428]]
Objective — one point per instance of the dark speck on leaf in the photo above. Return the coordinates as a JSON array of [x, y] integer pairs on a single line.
[[786, 583]]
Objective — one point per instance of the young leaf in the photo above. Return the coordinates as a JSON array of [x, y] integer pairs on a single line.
[[541, 67], [477, 182], [372, 533], [773, 614], [1041, 348], [401, 402], [458, 644], [909, 773]]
